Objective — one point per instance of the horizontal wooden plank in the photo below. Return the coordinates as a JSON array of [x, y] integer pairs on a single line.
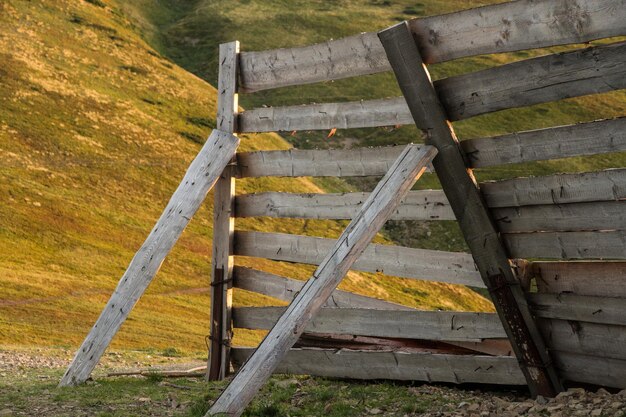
[[556, 189], [417, 205], [353, 364], [533, 81], [357, 162], [600, 279], [602, 136], [427, 325], [592, 339], [286, 288], [512, 26], [602, 215], [591, 369], [326, 116], [567, 245], [604, 310], [451, 267]]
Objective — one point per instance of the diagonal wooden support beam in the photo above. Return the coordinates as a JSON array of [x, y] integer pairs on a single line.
[[470, 210], [373, 213], [199, 179]]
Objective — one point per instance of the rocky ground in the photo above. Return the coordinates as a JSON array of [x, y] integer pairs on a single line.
[[28, 379]]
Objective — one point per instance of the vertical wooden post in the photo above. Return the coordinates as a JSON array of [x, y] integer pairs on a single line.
[[470, 210], [223, 221]]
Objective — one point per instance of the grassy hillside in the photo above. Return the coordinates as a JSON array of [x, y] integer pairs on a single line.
[[96, 129]]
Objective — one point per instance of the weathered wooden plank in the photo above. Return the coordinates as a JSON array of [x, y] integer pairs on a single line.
[[286, 289], [386, 196], [604, 310], [600, 279], [603, 215], [593, 339], [556, 189], [602, 136], [428, 325], [326, 116], [497, 28], [533, 81], [357, 162], [590, 369], [568, 245], [198, 180], [494, 347], [222, 260], [417, 205], [440, 266], [473, 217], [456, 369]]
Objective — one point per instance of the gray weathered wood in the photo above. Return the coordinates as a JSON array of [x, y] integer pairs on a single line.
[[428, 367], [605, 310], [357, 162], [497, 28], [592, 138], [326, 116], [533, 81], [568, 245], [417, 205], [222, 260], [198, 180], [494, 347], [473, 216], [592, 339], [590, 369], [427, 325], [374, 212], [556, 189], [286, 289], [430, 265], [592, 278], [603, 215]]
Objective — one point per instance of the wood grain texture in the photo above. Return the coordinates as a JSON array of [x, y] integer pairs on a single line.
[[286, 289], [568, 245], [455, 369], [440, 266], [506, 27], [591, 278], [198, 180], [605, 185], [427, 325], [375, 211], [417, 205], [318, 162], [602, 136], [603, 310], [591, 369], [533, 81], [604, 215]]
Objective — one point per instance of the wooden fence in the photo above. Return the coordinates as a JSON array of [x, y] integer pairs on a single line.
[[572, 226]]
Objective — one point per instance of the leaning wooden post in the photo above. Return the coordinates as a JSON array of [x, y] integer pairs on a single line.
[[223, 222], [471, 212], [199, 178], [373, 213]]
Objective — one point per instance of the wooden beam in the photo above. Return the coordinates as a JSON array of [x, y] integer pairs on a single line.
[[472, 214], [566, 306], [218, 365], [427, 325], [417, 205], [286, 289], [600, 279], [424, 264], [601, 136], [386, 196], [198, 180], [367, 365], [505, 27], [595, 370], [357, 162]]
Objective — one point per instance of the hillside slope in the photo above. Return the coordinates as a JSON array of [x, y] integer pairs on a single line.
[[96, 129]]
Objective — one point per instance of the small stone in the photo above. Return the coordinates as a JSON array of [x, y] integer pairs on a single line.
[[474, 407], [541, 400], [462, 404], [602, 392], [596, 413], [564, 394], [286, 383], [375, 411], [143, 399], [621, 394], [6, 412]]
